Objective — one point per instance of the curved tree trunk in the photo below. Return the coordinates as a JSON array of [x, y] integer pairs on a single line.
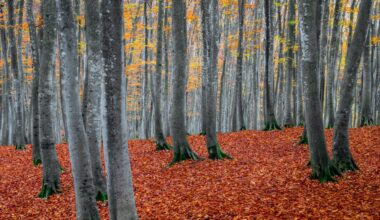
[[93, 111], [51, 169], [342, 157], [182, 150], [119, 174]]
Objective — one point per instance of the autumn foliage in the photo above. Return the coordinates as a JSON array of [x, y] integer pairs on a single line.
[[268, 178]]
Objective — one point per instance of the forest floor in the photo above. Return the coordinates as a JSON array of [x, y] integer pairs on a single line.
[[268, 178]]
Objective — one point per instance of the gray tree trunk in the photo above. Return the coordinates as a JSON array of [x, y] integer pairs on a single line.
[[182, 150], [36, 70], [159, 134], [92, 114], [320, 161], [51, 168], [366, 114], [20, 132], [342, 157], [119, 174]]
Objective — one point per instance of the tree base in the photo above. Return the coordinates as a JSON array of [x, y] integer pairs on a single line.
[[203, 133], [160, 147], [366, 122], [37, 162], [48, 190], [345, 166], [270, 126], [187, 154], [216, 153], [325, 175], [102, 197], [20, 147], [243, 128], [303, 140], [289, 126]]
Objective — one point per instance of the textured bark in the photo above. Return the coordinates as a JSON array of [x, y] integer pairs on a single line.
[[159, 134], [270, 119], [119, 176], [36, 71], [237, 105], [182, 150], [320, 162], [19, 132], [6, 122], [342, 157], [366, 114], [323, 47], [94, 63], [51, 169], [210, 21]]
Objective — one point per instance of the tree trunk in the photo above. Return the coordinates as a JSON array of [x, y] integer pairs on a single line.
[[182, 150], [20, 132], [366, 114], [320, 162], [342, 157], [119, 181], [51, 169]]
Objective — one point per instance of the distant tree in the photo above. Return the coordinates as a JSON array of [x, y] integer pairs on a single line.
[[342, 157]]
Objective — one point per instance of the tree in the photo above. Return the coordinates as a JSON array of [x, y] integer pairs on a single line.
[[320, 162], [238, 117], [270, 119], [342, 157], [210, 21], [159, 134], [182, 150], [92, 112], [51, 168], [119, 175], [20, 132]]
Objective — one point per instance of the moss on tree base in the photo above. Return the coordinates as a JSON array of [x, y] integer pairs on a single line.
[[243, 128], [325, 175], [102, 197], [20, 147], [187, 154], [366, 122], [216, 153], [203, 133], [345, 166], [160, 147], [303, 140], [48, 190], [37, 162], [270, 126]]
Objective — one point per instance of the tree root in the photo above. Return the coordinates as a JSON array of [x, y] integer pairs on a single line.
[[49, 189], [216, 153], [102, 197], [303, 140], [345, 166], [160, 147], [366, 122], [326, 175], [203, 133], [20, 147], [270, 126], [243, 128], [187, 154]]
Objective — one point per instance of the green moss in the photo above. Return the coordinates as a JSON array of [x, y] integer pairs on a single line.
[[243, 128], [48, 190], [165, 146], [366, 122], [203, 133], [37, 162], [20, 147], [102, 197], [325, 175], [345, 166], [188, 154], [272, 125], [303, 140], [216, 153]]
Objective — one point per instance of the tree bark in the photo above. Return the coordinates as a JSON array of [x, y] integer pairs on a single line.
[[342, 157], [119, 181], [366, 114]]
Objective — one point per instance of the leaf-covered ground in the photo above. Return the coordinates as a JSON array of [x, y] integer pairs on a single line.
[[268, 178]]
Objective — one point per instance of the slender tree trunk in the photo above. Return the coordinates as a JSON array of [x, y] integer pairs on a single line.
[[342, 157], [366, 114], [95, 78], [320, 161], [51, 169], [159, 134], [182, 150], [323, 47], [20, 132], [119, 181]]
